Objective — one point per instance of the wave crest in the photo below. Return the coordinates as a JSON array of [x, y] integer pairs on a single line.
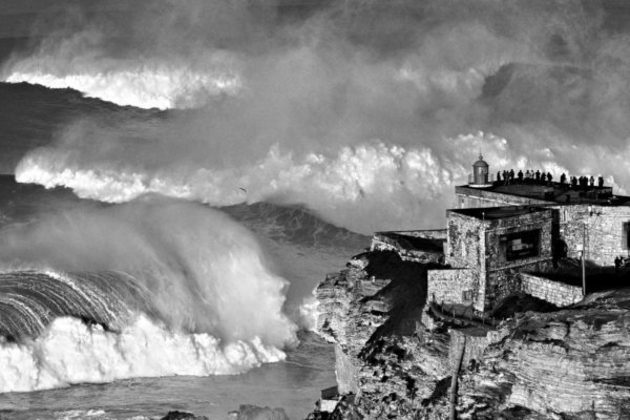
[[366, 187], [70, 351], [141, 82], [188, 266]]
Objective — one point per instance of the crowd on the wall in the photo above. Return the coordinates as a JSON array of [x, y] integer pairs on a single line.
[[538, 177]]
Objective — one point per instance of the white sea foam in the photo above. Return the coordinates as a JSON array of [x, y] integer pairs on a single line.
[[72, 352], [365, 187], [159, 88], [190, 267], [141, 82], [309, 313]]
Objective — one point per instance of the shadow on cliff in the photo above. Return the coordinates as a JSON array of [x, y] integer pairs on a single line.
[[406, 294]]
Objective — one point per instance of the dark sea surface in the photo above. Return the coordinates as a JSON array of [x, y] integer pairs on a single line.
[[295, 243]]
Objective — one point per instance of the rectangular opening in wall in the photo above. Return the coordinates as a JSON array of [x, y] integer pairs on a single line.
[[625, 235], [467, 296], [520, 245]]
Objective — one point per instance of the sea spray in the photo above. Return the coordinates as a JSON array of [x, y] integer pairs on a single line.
[[70, 352], [365, 187], [197, 269], [150, 288], [162, 84], [418, 77]]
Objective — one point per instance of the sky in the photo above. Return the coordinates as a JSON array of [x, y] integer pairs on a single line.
[[366, 112]]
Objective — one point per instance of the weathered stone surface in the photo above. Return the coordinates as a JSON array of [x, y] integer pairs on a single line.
[[600, 227], [572, 363], [455, 286], [373, 316], [556, 293]]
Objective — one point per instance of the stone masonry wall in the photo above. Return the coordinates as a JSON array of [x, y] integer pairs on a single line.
[[500, 278], [604, 223], [495, 252], [476, 244], [453, 286], [502, 283], [600, 227], [464, 247], [554, 292]]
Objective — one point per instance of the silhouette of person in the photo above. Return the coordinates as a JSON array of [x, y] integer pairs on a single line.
[[520, 176]]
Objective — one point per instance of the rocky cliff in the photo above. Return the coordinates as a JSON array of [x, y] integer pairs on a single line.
[[396, 360]]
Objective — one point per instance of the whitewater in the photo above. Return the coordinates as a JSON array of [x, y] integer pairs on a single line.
[[71, 352], [175, 289], [94, 293]]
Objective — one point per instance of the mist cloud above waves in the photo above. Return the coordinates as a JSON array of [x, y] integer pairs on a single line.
[[198, 270], [367, 113]]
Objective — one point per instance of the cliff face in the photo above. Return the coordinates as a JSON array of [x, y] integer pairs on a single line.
[[571, 364], [372, 312]]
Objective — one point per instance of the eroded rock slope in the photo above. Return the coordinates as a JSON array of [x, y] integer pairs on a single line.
[[567, 364]]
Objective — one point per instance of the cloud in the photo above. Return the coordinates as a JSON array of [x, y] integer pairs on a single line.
[[366, 112]]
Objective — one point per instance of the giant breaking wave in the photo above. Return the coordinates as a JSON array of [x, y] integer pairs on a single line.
[[149, 288], [144, 84]]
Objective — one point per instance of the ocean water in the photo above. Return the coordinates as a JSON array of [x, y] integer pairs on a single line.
[[86, 332], [89, 332], [152, 301], [293, 384]]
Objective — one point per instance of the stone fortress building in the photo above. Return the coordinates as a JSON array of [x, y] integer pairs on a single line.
[[522, 235]]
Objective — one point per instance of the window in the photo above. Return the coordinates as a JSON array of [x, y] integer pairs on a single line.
[[520, 245], [467, 295], [625, 235]]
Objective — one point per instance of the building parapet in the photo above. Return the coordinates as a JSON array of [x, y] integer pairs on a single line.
[[422, 246], [554, 292], [501, 194]]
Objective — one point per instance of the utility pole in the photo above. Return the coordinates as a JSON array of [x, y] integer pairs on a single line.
[[454, 378], [583, 260]]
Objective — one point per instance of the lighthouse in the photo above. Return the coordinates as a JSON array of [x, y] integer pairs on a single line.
[[480, 174]]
